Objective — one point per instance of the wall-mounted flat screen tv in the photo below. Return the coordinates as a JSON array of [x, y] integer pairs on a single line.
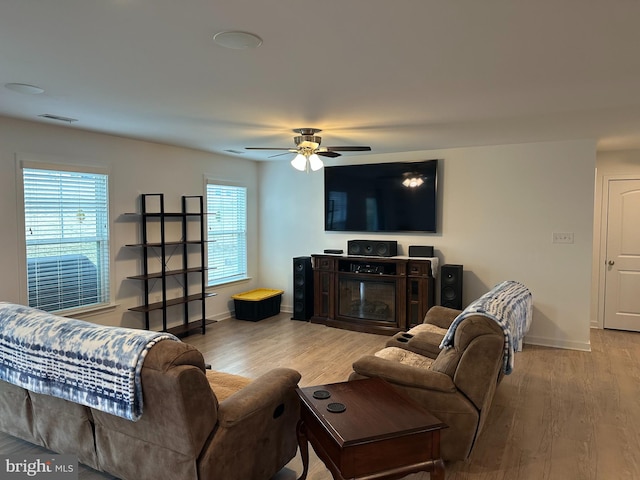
[[381, 197]]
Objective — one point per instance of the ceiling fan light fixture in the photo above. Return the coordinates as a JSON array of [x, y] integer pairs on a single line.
[[299, 162], [315, 162], [308, 150]]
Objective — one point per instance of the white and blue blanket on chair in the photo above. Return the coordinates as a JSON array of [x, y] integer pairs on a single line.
[[93, 365], [509, 304]]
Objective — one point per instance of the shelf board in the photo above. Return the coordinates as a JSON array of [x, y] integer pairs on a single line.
[[169, 273], [166, 214], [167, 244], [184, 330], [172, 302]]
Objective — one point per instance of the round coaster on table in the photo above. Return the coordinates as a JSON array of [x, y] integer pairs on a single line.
[[321, 394], [336, 407]]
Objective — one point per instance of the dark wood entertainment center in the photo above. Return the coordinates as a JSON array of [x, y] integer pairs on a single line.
[[382, 295]]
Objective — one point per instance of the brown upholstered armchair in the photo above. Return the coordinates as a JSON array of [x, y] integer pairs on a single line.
[[457, 384], [426, 337], [202, 424]]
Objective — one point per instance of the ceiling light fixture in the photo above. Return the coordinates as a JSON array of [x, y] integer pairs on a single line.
[[299, 162], [315, 162], [308, 150], [24, 88], [237, 40], [305, 161]]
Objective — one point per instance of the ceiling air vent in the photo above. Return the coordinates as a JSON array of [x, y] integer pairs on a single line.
[[58, 118]]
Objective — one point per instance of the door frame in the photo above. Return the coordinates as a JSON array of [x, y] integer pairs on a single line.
[[602, 223]]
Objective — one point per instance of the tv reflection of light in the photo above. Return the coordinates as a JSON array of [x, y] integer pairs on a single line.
[[412, 182]]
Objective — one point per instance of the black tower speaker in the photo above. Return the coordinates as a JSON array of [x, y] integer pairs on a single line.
[[451, 286], [302, 288]]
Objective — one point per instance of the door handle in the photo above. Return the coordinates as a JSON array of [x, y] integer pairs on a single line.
[[611, 263]]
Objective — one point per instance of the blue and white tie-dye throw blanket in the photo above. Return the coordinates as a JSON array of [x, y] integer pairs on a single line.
[[93, 365], [509, 304]]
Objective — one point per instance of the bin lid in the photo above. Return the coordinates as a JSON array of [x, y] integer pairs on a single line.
[[257, 294]]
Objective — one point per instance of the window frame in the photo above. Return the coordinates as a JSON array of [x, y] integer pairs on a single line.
[[24, 162], [243, 276]]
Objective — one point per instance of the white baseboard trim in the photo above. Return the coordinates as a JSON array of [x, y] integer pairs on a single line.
[[221, 316], [555, 343]]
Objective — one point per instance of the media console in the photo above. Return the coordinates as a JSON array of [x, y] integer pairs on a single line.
[[371, 294]]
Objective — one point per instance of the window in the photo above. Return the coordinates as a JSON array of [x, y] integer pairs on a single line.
[[66, 218], [226, 233]]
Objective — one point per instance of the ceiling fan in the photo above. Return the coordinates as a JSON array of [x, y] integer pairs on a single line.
[[309, 151]]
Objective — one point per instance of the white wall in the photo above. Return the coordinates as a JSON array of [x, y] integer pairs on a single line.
[[499, 208], [622, 163], [500, 205], [135, 167]]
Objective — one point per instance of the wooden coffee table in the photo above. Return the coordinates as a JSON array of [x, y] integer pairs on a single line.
[[381, 434]]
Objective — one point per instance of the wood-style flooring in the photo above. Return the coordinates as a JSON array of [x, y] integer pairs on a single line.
[[561, 415]]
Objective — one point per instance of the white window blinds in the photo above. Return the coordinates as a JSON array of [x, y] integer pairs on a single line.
[[226, 233], [66, 220]]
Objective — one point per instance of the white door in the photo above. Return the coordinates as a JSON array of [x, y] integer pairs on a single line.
[[622, 278]]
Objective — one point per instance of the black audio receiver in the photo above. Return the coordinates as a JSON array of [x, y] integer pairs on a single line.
[[367, 268]]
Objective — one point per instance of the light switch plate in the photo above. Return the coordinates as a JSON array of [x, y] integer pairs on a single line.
[[562, 237]]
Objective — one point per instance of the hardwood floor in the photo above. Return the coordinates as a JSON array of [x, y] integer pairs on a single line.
[[561, 415]]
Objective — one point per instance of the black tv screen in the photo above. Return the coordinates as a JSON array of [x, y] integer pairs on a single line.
[[381, 197]]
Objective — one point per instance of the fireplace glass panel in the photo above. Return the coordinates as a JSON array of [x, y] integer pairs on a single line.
[[367, 299]]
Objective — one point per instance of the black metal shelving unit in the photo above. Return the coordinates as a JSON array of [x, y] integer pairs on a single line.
[[163, 250]]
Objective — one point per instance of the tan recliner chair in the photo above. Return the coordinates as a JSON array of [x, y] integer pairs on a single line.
[[426, 338], [457, 386]]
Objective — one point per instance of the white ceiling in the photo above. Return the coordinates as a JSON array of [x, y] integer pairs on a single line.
[[401, 75]]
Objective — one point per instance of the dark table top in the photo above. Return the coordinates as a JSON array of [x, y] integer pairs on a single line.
[[375, 410]]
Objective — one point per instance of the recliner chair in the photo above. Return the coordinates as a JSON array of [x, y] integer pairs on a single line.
[[426, 337], [457, 386]]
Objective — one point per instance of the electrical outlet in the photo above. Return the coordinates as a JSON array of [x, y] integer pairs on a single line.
[[562, 237]]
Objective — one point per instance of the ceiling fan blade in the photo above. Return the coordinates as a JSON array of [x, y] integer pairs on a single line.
[[280, 154], [266, 148], [349, 149], [329, 154]]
